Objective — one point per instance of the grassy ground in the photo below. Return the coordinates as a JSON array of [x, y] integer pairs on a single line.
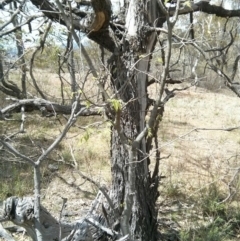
[[201, 190], [200, 194]]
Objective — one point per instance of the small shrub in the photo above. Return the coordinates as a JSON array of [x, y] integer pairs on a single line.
[[173, 191], [218, 230], [210, 202], [66, 155]]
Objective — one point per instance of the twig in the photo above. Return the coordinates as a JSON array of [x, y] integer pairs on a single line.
[[60, 217], [69, 26], [14, 151], [22, 119], [98, 225], [230, 193], [199, 129], [31, 18], [101, 188], [71, 121], [38, 48]]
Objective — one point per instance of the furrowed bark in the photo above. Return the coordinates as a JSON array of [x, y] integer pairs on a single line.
[[133, 190]]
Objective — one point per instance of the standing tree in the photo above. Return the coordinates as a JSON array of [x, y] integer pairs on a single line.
[[130, 30]]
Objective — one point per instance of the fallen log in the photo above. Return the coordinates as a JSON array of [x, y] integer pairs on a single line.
[[47, 108], [20, 211]]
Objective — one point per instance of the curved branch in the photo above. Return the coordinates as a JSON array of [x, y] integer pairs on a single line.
[[7, 87], [219, 11], [17, 153], [41, 46], [99, 34], [30, 19], [17, 11], [206, 7], [235, 67]]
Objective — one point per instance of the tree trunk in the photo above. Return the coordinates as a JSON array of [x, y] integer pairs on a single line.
[[72, 68], [143, 217], [132, 182], [20, 53]]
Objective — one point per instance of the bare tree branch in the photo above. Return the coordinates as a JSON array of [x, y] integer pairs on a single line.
[[41, 46], [206, 7], [17, 11], [3, 3], [14, 151], [29, 19]]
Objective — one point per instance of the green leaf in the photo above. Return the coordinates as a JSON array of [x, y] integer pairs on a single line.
[[188, 4], [159, 60], [116, 104], [149, 132], [73, 93], [100, 110], [87, 103], [87, 135]]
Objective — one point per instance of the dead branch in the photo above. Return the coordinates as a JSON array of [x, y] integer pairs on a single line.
[[47, 107], [41, 46], [21, 212], [7, 87], [16, 12], [206, 7], [30, 19], [200, 129]]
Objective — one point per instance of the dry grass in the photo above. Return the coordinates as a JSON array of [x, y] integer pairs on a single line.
[[198, 172], [200, 157], [202, 164]]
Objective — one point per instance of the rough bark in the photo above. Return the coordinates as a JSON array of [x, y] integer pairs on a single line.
[[132, 183]]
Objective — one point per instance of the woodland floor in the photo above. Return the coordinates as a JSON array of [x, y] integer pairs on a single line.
[[200, 166]]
